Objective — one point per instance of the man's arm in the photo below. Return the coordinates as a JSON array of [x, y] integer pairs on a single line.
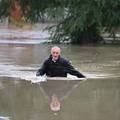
[[42, 70], [71, 70]]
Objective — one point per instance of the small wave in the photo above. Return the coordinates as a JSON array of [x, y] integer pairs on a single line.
[[97, 75], [4, 118], [26, 73], [22, 41]]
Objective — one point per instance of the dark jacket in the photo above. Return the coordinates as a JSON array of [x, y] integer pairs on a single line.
[[58, 68]]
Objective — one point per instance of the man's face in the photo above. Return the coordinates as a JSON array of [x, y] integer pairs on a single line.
[[55, 52], [55, 103]]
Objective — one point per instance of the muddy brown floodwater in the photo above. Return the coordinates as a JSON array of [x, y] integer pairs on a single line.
[[98, 98]]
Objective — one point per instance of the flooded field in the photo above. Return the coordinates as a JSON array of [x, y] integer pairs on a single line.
[[98, 98]]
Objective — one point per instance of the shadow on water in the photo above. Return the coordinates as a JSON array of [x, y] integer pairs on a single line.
[[91, 99], [61, 88]]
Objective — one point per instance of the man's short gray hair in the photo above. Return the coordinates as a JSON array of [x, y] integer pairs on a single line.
[[55, 47]]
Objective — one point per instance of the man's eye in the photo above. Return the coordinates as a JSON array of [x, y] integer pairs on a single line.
[[55, 52]]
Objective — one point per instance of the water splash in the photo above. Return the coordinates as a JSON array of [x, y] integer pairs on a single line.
[[29, 73]]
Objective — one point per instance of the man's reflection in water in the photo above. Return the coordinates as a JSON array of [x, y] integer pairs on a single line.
[[57, 90]]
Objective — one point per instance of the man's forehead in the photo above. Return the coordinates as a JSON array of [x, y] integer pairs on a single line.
[[55, 49]]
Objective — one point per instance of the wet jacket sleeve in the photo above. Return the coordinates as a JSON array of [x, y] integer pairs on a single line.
[[71, 70], [42, 70]]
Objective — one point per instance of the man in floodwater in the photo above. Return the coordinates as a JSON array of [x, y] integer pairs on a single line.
[[56, 66]]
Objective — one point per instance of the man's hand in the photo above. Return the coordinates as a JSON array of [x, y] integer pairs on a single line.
[[38, 73]]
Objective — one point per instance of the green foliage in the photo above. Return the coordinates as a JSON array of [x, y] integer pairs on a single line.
[[84, 19], [4, 8], [41, 9], [110, 14], [76, 26], [77, 20]]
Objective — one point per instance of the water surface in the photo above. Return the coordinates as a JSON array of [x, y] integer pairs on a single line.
[[98, 98]]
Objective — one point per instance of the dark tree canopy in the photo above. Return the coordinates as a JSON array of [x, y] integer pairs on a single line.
[[80, 21]]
